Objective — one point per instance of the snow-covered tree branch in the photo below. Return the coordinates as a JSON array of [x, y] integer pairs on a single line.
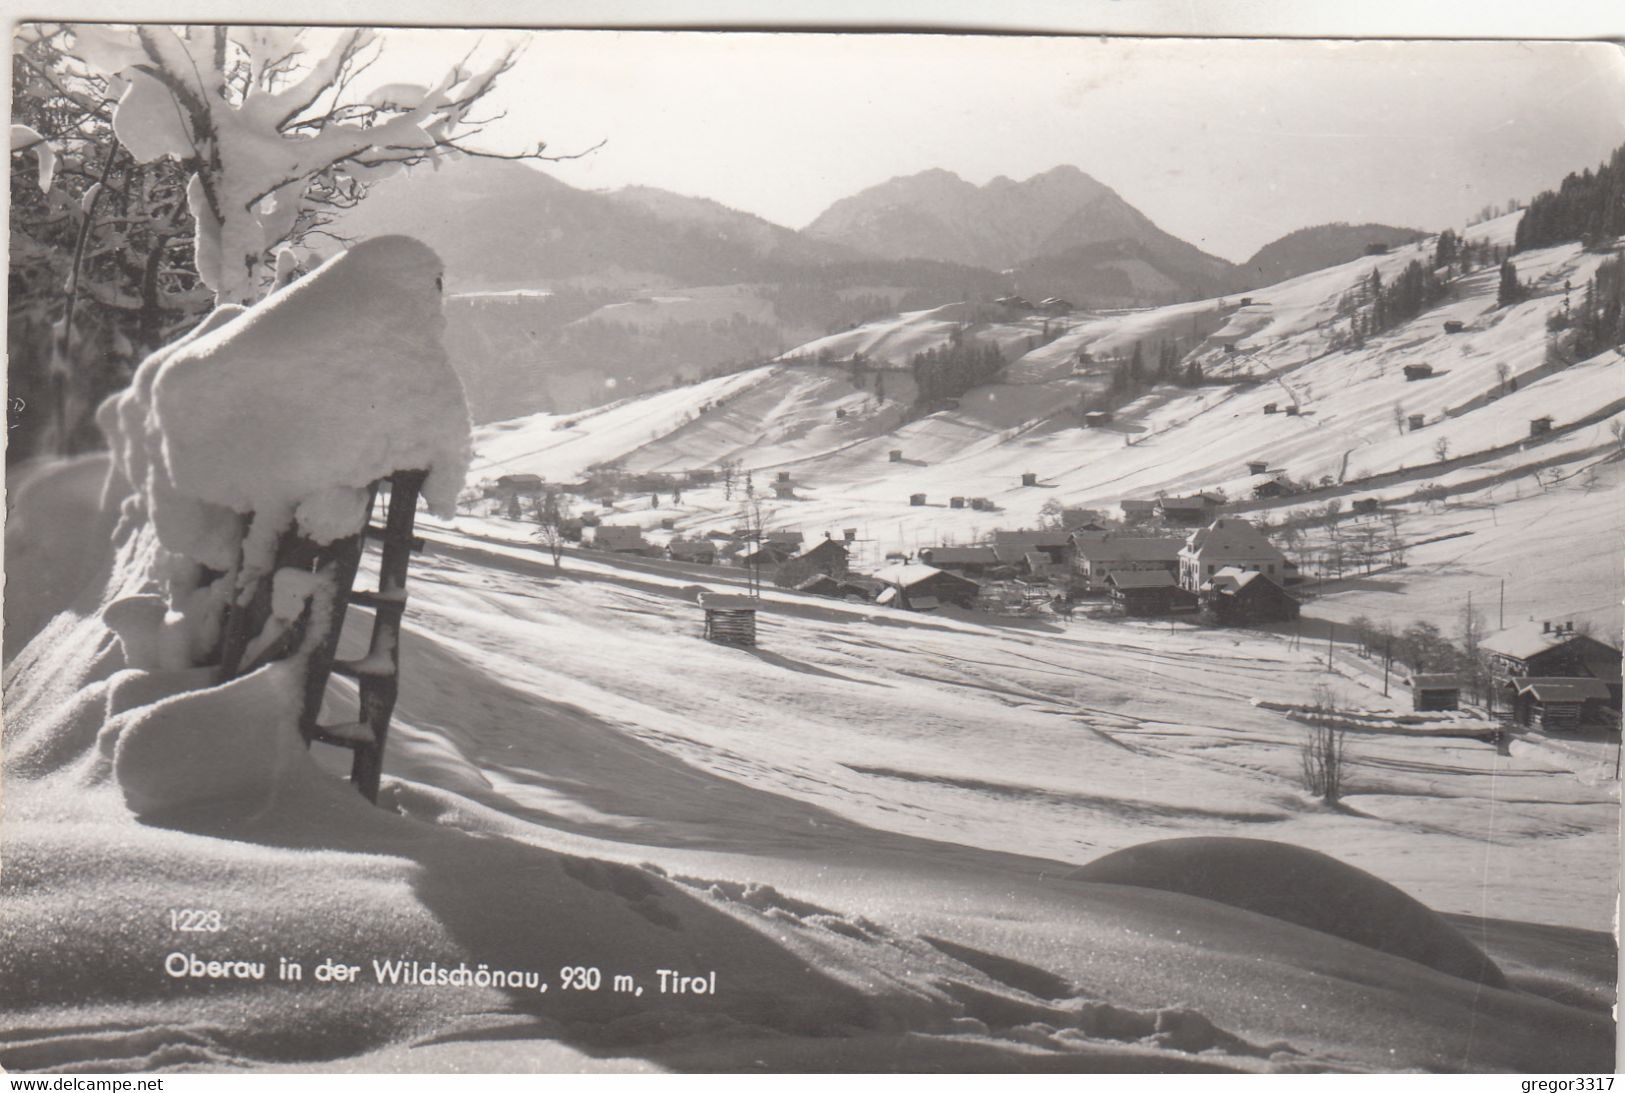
[[265, 122]]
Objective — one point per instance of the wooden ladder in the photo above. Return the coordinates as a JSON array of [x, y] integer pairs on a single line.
[[377, 673]]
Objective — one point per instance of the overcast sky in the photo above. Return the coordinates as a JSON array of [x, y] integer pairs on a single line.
[[1227, 143]]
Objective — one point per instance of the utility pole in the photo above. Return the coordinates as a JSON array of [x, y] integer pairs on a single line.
[[1331, 635], [1501, 620], [1387, 659]]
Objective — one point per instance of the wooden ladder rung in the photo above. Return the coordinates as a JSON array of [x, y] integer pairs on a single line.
[[373, 531], [351, 734], [363, 598], [354, 669]]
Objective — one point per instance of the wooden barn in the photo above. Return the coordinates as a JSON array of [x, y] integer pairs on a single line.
[[851, 588], [1100, 557], [922, 587], [693, 551], [1557, 703], [1418, 371], [1197, 510], [1435, 691], [1012, 547], [765, 559], [967, 561], [1540, 426], [520, 485], [619, 538], [1454, 326], [828, 556], [1235, 597], [1149, 592], [729, 619]]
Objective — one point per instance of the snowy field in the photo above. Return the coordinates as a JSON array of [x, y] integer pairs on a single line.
[[895, 801], [878, 840]]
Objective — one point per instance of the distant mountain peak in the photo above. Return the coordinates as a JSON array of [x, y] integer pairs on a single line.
[[1059, 218]]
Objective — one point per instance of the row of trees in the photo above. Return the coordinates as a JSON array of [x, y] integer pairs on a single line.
[[1454, 255], [948, 371], [1587, 207], [1132, 377], [1424, 647], [1597, 323]]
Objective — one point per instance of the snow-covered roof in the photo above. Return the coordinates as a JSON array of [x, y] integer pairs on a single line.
[[906, 575], [1231, 538], [968, 555], [728, 601], [1528, 639], [1129, 548], [1565, 689]]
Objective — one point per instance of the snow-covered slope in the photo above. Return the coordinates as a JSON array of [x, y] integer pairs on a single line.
[[873, 829], [1490, 381]]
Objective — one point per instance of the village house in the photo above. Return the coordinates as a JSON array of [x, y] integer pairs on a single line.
[[850, 588], [967, 561], [1138, 512], [1228, 543], [1012, 547], [764, 560], [518, 485], [828, 557], [923, 587], [1549, 651], [1234, 597], [1149, 592], [1194, 511], [693, 551], [1268, 484], [622, 539], [1100, 557]]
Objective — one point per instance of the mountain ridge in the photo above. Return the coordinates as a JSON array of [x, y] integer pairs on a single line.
[[1050, 227]]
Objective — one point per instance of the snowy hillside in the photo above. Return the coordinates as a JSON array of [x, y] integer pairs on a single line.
[[889, 840], [835, 436]]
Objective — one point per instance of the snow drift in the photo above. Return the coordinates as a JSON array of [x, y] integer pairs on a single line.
[[1300, 886], [259, 421], [292, 407]]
